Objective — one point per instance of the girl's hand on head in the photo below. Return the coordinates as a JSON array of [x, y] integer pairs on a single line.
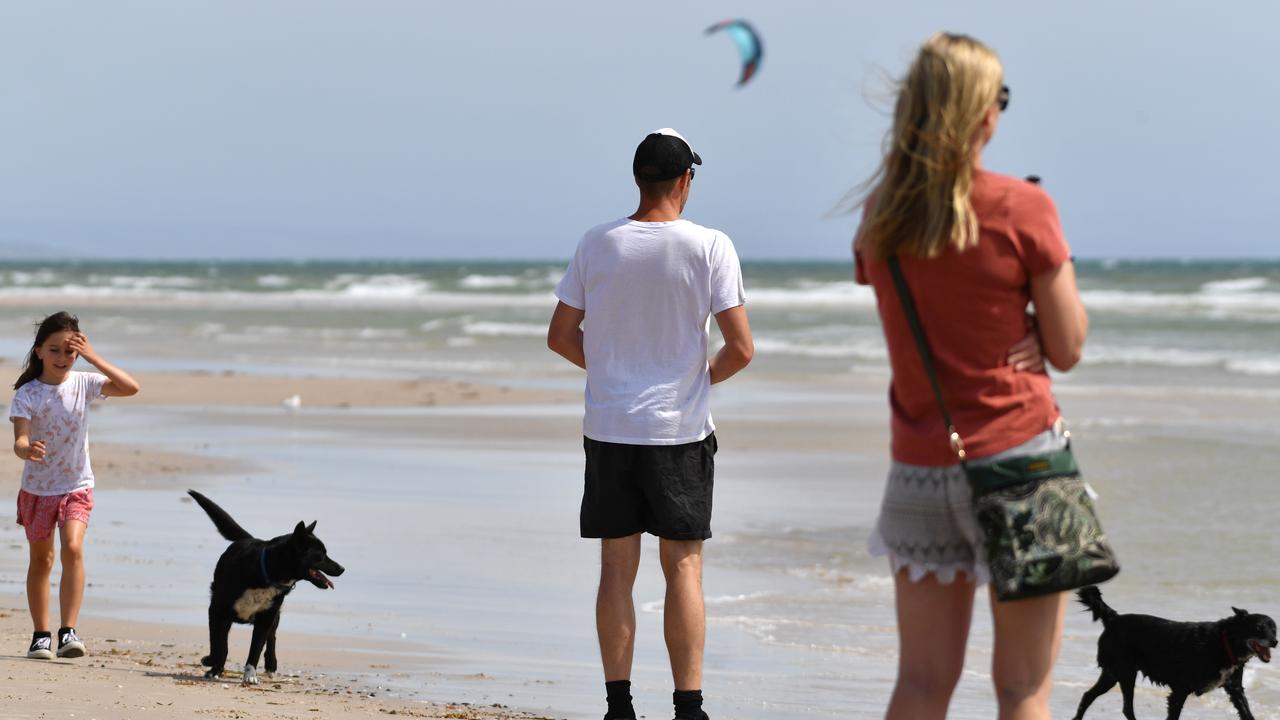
[[1026, 355], [35, 452], [79, 342]]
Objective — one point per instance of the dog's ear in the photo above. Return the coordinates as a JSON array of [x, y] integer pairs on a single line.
[[312, 527], [1238, 611], [299, 529]]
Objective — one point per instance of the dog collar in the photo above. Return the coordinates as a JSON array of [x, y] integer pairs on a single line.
[[1231, 657], [262, 561]]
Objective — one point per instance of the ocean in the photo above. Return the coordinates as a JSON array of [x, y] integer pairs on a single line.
[[1216, 319], [461, 542]]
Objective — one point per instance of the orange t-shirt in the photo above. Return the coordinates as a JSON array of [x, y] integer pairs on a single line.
[[972, 306]]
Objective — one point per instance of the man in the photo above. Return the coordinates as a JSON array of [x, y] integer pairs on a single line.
[[633, 312]]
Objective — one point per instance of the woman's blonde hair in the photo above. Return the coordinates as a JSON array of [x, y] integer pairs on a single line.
[[920, 194]]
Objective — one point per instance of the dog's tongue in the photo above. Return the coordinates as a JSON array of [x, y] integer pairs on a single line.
[[322, 578], [1262, 651]]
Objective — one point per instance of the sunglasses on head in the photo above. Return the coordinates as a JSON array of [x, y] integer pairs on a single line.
[[1002, 99]]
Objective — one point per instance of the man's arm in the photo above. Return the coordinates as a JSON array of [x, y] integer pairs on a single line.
[[738, 347], [564, 335]]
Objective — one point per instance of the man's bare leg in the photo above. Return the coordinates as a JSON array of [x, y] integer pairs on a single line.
[[615, 610], [684, 618]]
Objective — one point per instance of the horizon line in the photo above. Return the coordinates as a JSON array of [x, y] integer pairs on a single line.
[[559, 260]]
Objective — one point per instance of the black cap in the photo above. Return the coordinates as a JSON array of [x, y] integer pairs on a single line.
[[663, 154]]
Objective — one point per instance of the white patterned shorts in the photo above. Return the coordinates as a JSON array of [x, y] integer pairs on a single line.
[[926, 522]]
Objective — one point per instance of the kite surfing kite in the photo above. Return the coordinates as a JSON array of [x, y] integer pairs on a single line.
[[748, 42]]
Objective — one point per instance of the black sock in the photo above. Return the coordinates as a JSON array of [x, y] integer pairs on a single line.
[[618, 695], [39, 634], [688, 705]]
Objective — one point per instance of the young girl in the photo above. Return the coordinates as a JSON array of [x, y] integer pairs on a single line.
[[50, 430]]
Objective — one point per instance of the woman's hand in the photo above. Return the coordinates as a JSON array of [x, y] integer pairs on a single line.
[[1026, 355], [79, 342], [33, 451]]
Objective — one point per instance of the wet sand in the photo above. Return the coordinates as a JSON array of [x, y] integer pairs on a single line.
[[466, 580], [204, 389]]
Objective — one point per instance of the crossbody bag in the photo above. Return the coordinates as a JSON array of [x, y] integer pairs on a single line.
[[1040, 529]]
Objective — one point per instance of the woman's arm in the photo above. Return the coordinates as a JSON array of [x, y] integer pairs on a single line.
[[1060, 315], [119, 382]]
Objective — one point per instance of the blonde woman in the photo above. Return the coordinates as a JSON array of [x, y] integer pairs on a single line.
[[975, 248]]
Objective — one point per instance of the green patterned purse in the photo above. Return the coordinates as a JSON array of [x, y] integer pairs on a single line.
[[1039, 526]]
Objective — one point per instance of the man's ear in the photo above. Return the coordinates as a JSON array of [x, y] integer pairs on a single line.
[[686, 180]]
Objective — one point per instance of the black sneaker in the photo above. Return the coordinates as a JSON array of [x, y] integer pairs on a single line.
[[69, 645], [41, 648]]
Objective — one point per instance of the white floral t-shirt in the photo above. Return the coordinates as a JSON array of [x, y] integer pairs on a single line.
[[59, 417]]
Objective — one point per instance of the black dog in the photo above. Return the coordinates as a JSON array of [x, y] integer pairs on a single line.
[[250, 582], [1187, 657]]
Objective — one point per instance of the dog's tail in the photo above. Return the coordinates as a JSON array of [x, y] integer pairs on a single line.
[[221, 520], [1091, 597]]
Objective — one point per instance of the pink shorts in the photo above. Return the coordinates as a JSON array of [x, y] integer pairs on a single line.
[[40, 513]]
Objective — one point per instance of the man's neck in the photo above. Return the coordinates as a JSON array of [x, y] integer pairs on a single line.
[[664, 211]]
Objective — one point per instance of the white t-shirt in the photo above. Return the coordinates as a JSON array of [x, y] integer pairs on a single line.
[[59, 417], [648, 290]]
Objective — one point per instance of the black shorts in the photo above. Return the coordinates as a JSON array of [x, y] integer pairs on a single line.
[[664, 490]]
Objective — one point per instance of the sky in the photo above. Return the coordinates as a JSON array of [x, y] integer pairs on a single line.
[[502, 130]]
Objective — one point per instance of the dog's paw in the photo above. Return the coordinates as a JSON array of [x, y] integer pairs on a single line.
[[250, 675], [213, 674]]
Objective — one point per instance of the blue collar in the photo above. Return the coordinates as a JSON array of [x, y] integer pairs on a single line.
[[262, 562]]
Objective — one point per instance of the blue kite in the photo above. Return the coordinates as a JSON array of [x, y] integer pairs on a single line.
[[748, 42]]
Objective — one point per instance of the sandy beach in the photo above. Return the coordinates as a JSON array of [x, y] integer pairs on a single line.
[[448, 609], [202, 389], [134, 466], [137, 671], [140, 670]]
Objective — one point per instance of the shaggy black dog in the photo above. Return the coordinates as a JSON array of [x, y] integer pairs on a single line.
[[250, 582], [1186, 657]]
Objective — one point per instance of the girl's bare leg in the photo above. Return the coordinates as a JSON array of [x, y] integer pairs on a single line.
[[71, 589], [39, 569]]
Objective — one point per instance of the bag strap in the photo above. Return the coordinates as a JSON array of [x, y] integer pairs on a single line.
[[926, 355]]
